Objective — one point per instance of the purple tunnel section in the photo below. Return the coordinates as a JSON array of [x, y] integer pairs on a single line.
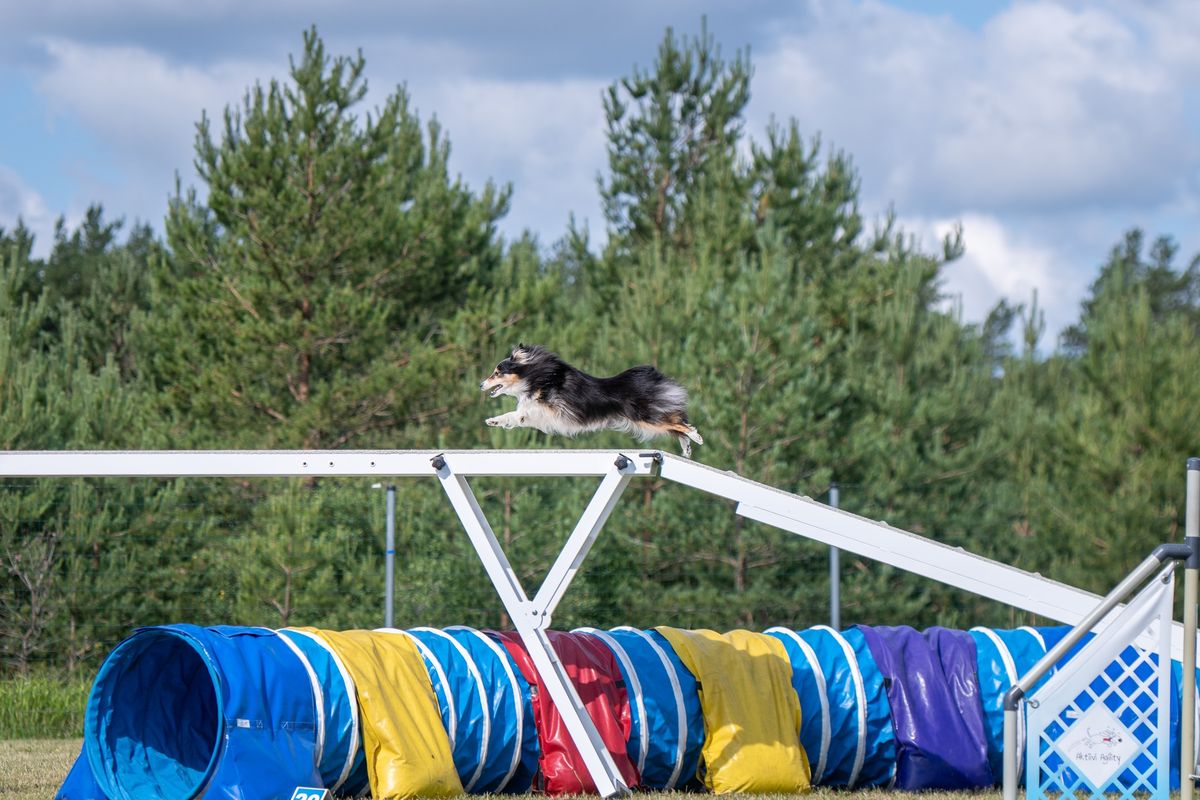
[[937, 715]]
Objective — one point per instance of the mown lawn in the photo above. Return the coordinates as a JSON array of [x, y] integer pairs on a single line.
[[33, 769]]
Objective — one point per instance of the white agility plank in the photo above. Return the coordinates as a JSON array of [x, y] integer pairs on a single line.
[[306, 463], [868, 538], [881, 542]]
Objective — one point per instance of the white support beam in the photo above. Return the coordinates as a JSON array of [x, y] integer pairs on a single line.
[[580, 542], [307, 463], [491, 554], [952, 566], [530, 619]]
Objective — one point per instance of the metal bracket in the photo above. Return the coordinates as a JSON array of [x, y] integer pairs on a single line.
[[656, 461]]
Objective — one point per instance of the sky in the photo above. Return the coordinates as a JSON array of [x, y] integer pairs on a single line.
[[1046, 128]]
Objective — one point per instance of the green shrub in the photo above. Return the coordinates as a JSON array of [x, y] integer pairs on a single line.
[[42, 707]]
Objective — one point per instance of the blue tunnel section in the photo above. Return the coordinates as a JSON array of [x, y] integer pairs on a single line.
[[1002, 657], [846, 725], [485, 707], [341, 762], [182, 711]]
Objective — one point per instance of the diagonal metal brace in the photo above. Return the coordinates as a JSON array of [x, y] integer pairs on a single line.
[[531, 618]]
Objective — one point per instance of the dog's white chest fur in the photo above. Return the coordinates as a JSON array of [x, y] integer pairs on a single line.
[[544, 418], [531, 413]]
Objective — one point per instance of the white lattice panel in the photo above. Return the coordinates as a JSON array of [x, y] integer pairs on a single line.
[[1101, 724]]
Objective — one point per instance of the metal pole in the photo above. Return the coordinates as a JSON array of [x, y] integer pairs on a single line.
[[389, 570], [1191, 571], [1139, 575], [1010, 780], [835, 573]]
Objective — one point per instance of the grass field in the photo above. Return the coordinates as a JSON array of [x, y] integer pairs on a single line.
[[33, 769]]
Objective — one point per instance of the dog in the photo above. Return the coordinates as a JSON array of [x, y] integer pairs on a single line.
[[556, 398]]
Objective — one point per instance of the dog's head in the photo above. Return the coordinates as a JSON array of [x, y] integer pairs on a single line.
[[509, 375]]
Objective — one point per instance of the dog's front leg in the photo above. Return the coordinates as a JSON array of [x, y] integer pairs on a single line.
[[513, 419]]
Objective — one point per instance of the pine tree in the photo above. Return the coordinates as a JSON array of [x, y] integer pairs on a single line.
[[813, 350], [70, 578], [310, 279], [104, 282], [672, 132], [1125, 422]]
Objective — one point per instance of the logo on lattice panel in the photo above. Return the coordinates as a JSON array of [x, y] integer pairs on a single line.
[[1106, 739], [1098, 745], [1097, 756]]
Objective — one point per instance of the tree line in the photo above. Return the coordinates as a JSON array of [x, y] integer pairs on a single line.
[[331, 284]]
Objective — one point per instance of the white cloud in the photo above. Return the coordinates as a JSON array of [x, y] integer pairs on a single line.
[[140, 111], [141, 105], [545, 137], [1048, 132], [19, 202], [1000, 263], [1050, 105], [17, 199], [1172, 29]]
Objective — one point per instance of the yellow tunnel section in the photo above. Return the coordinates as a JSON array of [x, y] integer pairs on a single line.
[[407, 750], [751, 713]]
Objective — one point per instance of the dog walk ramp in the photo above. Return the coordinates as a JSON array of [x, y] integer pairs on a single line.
[[881, 542], [615, 469]]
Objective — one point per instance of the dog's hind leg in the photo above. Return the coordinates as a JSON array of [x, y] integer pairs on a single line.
[[686, 434], [685, 444]]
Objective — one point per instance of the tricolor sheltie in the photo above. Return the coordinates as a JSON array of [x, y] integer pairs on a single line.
[[554, 397]]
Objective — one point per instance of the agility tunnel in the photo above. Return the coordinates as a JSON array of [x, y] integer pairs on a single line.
[[181, 711]]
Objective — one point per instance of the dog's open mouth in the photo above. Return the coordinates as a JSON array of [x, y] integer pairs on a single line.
[[495, 391]]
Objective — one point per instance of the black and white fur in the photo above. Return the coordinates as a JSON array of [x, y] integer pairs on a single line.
[[554, 397]]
